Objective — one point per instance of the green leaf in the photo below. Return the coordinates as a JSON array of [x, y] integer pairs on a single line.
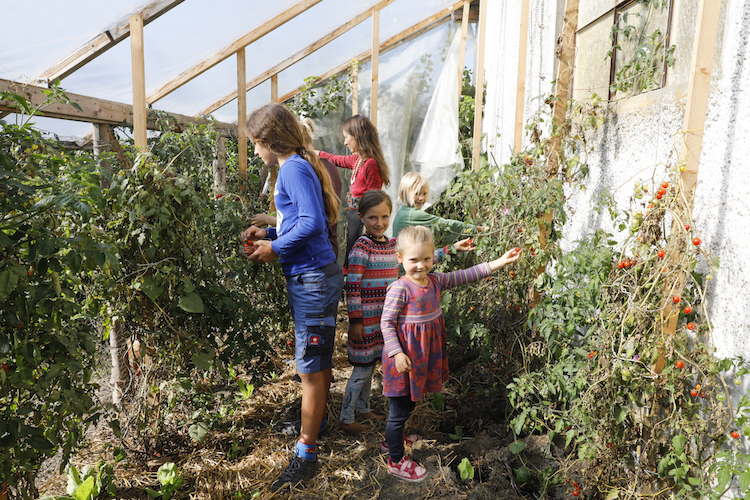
[[202, 360], [9, 280], [191, 303], [466, 469], [115, 425], [723, 478], [744, 478], [517, 447], [678, 443], [198, 431], [83, 492], [523, 475], [620, 414], [151, 493], [151, 289], [167, 473], [74, 480]]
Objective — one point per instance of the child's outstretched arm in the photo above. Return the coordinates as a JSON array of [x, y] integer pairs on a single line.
[[508, 257], [475, 273]]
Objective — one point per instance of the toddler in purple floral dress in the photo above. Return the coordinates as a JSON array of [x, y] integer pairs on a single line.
[[414, 359]]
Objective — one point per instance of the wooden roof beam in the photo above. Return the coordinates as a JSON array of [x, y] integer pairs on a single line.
[[231, 49], [92, 110], [408, 34], [105, 41], [299, 55]]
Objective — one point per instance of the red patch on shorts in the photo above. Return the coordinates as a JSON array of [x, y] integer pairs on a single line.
[[315, 340]]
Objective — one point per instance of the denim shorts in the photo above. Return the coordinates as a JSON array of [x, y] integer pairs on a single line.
[[314, 299]]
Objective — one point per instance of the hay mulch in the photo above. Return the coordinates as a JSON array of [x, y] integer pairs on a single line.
[[350, 467]]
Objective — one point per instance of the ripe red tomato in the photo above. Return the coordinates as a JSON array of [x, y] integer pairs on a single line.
[[590, 355], [576, 493], [690, 326], [703, 394], [688, 309], [218, 196], [696, 241], [30, 273], [679, 364], [5, 367], [661, 191], [676, 299], [20, 327], [289, 342], [627, 263], [735, 434], [665, 184], [620, 264], [661, 254], [659, 196], [650, 206], [694, 393], [609, 445], [687, 227]]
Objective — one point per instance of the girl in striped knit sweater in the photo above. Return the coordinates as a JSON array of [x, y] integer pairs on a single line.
[[372, 267]]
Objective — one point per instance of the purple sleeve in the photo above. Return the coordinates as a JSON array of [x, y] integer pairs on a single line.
[[463, 276], [395, 300]]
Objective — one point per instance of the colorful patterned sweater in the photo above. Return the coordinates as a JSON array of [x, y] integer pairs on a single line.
[[372, 267]]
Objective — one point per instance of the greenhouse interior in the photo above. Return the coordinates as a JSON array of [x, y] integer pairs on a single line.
[[392, 249]]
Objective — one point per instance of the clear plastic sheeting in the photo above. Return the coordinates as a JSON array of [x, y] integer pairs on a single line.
[[437, 149]]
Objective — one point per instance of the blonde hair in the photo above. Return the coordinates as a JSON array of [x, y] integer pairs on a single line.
[[368, 143], [308, 131], [414, 235], [274, 126], [411, 183]]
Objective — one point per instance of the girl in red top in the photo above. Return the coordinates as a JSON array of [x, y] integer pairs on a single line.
[[369, 169]]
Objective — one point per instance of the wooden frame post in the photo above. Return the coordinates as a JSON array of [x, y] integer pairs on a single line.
[[375, 62], [462, 49], [565, 49], [355, 88], [139, 83], [701, 66], [275, 88], [241, 117], [479, 93], [523, 47]]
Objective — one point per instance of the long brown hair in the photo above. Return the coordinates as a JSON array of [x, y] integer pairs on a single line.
[[275, 126], [368, 143]]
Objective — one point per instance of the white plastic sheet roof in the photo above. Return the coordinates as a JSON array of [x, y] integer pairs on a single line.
[[37, 34]]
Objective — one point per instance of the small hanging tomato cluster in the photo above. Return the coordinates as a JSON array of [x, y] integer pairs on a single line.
[[576, 487]]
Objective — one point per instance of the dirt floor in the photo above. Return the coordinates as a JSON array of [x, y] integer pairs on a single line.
[[241, 463]]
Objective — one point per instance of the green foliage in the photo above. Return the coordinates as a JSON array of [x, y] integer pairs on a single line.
[[465, 469], [48, 202], [91, 482], [170, 478], [640, 67], [316, 100]]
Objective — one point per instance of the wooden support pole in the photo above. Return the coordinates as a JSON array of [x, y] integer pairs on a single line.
[[375, 63], [355, 88], [462, 49], [139, 82], [479, 94], [696, 107], [523, 46], [565, 49], [698, 90], [241, 118], [275, 88]]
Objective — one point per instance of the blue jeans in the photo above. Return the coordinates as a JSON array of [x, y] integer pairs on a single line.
[[400, 409], [314, 299], [357, 393]]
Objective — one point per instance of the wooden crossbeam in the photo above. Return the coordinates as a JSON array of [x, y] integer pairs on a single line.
[[408, 34], [92, 110], [232, 49], [375, 57], [105, 41], [359, 18]]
